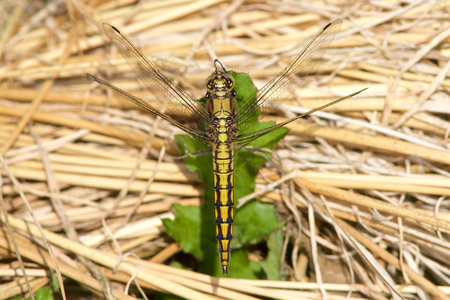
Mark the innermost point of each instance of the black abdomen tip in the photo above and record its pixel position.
(225, 269)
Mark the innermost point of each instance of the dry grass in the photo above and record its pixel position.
(376, 167)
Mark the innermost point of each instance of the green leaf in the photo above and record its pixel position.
(244, 88)
(195, 162)
(186, 228)
(207, 242)
(271, 139)
(178, 265)
(54, 282)
(254, 221)
(271, 264)
(44, 293)
(242, 267)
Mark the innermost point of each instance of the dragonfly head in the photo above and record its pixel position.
(220, 80)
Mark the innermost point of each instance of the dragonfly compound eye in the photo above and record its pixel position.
(209, 82)
(230, 82)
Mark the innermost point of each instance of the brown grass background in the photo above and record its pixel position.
(363, 187)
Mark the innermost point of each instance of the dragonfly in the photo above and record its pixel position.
(219, 123)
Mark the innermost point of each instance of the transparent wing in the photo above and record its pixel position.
(172, 96)
(245, 138)
(199, 134)
(283, 85)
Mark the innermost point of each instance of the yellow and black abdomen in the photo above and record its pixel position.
(223, 169)
(222, 132)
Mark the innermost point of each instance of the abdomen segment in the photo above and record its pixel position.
(223, 201)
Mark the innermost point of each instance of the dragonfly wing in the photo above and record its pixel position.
(245, 138)
(282, 86)
(199, 134)
(172, 96)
